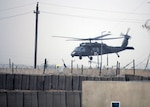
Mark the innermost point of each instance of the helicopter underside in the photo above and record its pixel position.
(80, 56)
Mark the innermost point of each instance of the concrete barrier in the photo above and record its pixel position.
(11, 99)
(90, 78)
(77, 99)
(63, 99)
(25, 82)
(42, 102)
(56, 99)
(14, 99)
(40, 83)
(70, 99)
(129, 77)
(17, 81)
(47, 82)
(48, 90)
(32, 82)
(55, 82)
(40, 99)
(49, 99)
(19, 99)
(97, 79)
(30, 99)
(9, 81)
(68, 83)
(75, 83)
(61, 83)
(2, 81)
(3, 99)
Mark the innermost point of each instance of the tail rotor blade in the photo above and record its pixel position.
(128, 31)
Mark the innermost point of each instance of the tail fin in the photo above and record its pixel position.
(125, 41)
(126, 38)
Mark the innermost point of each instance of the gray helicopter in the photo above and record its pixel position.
(90, 48)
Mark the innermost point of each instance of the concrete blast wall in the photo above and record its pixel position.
(129, 94)
(40, 99)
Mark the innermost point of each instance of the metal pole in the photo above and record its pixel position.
(133, 67)
(97, 60)
(101, 53)
(45, 65)
(116, 68)
(36, 35)
(71, 66)
(101, 56)
(9, 63)
(107, 61)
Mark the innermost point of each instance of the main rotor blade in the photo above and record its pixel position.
(74, 39)
(110, 38)
(82, 39)
(66, 37)
(88, 39)
(102, 36)
(96, 39)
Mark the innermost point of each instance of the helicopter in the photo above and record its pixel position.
(90, 48)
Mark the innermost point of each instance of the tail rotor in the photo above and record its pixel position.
(126, 35)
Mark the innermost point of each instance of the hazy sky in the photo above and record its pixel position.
(75, 18)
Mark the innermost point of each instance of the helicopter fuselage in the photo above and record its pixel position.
(91, 49)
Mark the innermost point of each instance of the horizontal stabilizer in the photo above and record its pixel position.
(129, 48)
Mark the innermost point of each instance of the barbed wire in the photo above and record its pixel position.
(11, 16)
(21, 6)
(96, 18)
(97, 10)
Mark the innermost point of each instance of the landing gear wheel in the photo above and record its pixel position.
(80, 57)
(91, 58)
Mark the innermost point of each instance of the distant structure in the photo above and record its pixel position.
(147, 25)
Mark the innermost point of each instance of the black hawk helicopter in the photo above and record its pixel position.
(90, 48)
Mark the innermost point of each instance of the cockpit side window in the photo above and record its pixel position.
(82, 49)
(76, 49)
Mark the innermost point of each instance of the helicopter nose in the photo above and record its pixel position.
(74, 54)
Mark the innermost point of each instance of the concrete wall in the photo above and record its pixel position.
(40, 99)
(55, 82)
(101, 93)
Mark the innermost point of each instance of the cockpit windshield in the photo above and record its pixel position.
(81, 49)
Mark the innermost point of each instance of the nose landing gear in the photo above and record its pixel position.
(90, 57)
(80, 57)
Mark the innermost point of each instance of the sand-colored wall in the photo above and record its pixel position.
(130, 94)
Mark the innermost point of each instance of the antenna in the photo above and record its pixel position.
(64, 63)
